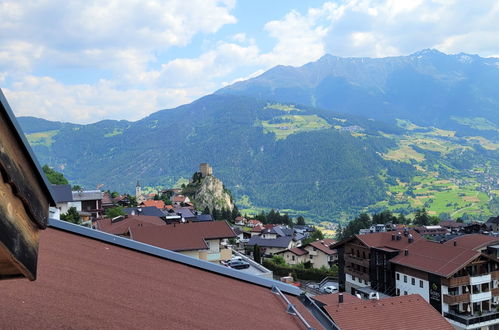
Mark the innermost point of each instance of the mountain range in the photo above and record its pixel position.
(326, 140)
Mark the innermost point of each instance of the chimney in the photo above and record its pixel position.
(393, 237)
(406, 252)
(410, 238)
(340, 298)
(455, 243)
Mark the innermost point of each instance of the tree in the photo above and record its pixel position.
(384, 217)
(257, 253)
(76, 187)
(71, 216)
(314, 236)
(300, 221)
(53, 176)
(114, 212)
(206, 210)
(421, 218)
(278, 260)
(363, 221)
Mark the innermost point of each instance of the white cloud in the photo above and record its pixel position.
(104, 32)
(47, 98)
(124, 40)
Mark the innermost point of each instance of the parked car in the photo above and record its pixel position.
(330, 289)
(237, 258)
(238, 264)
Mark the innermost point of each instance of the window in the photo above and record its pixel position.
(398, 292)
(363, 254)
(353, 278)
(413, 281)
(405, 278)
(315, 249)
(293, 257)
(311, 257)
(398, 277)
(420, 283)
(405, 293)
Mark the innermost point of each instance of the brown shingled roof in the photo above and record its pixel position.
(84, 283)
(473, 241)
(183, 236)
(323, 245)
(385, 239)
(297, 250)
(410, 312)
(121, 227)
(436, 258)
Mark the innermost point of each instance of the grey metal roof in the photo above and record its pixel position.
(87, 195)
(27, 148)
(61, 193)
(270, 242)
(203, 217)
(147, 210)
(173, 256)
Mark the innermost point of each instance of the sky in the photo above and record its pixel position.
(85, 61)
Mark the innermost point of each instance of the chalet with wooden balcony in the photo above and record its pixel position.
(24, 200)
(364, 260)
(460, 278)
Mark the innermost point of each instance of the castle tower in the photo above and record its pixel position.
(205, 169)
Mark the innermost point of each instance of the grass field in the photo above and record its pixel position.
(42, 138)
(284, 126)
(282, 107)
(476, 123)
(114, 133)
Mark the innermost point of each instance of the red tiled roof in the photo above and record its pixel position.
(410, 312)
(83, 283)
(158, 204)
(323, 245)
(473, 241)
(435, 258)
(183, 236)
(255, 222)
(257, 229)
(121, 227)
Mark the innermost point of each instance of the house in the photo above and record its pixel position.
(63, 197)
(460, 278)
(318, 253)
(157, 204)
(147, 210)
(24, 201)
(240, 221)
(363, 260)
(254, 223)
(180, 199)
(257, 230)
(121, 225)
(409, 312)
(89, 202)
(271, 246)
(200, 240)
(431, 230)
(125, 284)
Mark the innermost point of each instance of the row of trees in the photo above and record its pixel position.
(364, 221)
(275, 217)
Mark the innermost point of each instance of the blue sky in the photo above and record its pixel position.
(84, 61)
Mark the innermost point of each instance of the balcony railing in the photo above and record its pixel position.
(356, 273)
(356, 260)
(451, 300)
(456, 281)
(472, 319)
